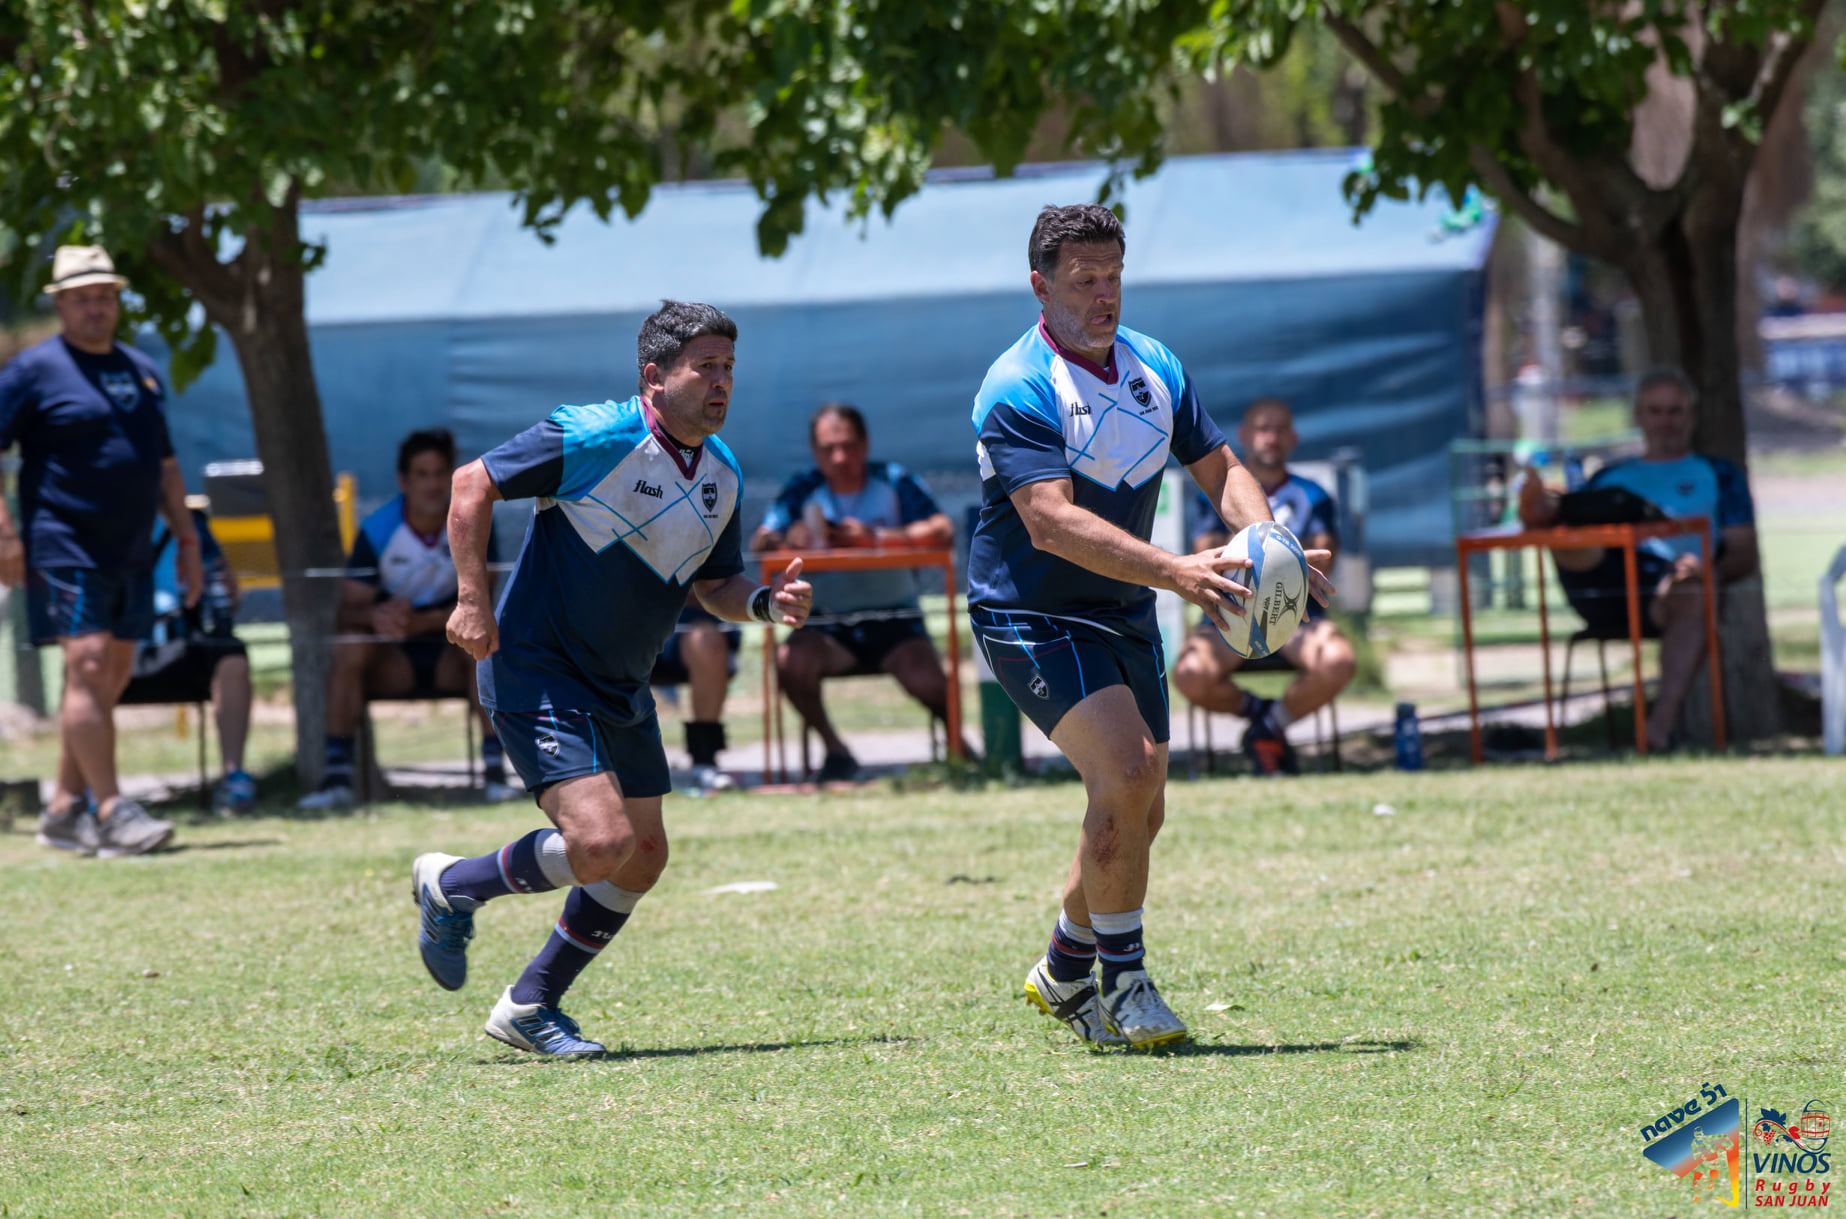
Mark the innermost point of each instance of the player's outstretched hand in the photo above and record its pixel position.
(472, 629)
(1318, 584)
(793, 597)
(1201, 579)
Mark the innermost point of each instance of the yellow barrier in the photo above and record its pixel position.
(249, 542)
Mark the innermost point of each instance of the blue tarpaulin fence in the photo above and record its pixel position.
(443, 310)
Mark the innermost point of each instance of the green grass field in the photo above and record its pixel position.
(1470, 1007)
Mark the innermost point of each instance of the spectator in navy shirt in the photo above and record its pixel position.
(96, 465)
(871, 619)
(1320, 655)
(1679, 482)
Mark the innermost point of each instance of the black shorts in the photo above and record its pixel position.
(1600, 594)
(870, 640)
(1048, 665)
(178, 672)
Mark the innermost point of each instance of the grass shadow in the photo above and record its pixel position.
(1197, 1049)
(183, 847)
(623, 1054)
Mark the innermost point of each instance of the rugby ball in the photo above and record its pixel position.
(1278, 582)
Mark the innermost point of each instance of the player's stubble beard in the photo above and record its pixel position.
(686, 416)
(1067, 326)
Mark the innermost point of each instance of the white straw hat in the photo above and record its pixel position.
(79, 266)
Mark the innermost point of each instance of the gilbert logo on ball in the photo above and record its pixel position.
(1278, 582)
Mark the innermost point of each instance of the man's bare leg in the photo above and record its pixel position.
(231, 696)
(803, 662)
(86, 717)
(1679, 611)
(1324, 665)
(1204, 673)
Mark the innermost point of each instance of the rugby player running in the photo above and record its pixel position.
(636, 500)
(1075, 423)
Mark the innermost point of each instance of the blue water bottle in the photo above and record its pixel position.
(1573, 473)
(1409, 738)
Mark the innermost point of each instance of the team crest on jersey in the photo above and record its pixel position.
(1142, 395)
(1037, 686)
(121, 388)
(708, 495)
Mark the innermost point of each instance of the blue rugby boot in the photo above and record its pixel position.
(444, 930)
(539, 1030)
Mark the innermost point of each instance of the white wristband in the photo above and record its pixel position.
(759, 605)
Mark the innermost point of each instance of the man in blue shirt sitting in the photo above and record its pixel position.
(1321, 657)
(96, 464)
(1669, 475)
(871, 622)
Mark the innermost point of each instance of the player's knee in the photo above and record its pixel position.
(599, 853)
(1132, 781)
(648, 860)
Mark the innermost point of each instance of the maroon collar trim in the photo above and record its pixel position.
(674, 449)
(1105, 371)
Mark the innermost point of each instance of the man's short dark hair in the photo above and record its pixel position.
(427, 440)
(844, 410)
(1080, 223)
(1666, 374)
(669, 330)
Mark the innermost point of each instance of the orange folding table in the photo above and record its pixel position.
(854, 559)
(1581, 537)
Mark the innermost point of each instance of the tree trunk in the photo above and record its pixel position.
(1687, 284)
(270, 334)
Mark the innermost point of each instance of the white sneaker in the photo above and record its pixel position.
(326, 798)
(538, 1030)
(500, 793)
(1072, 1002)
(1135, 1010)
(711, 779)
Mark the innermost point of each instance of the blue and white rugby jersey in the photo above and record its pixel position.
(400, 562)
(892, 497)
(626, 519)
(1042, 414)
(1693, 485)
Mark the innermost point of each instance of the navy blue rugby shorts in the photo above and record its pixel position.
(1047, 665)
(548, 747)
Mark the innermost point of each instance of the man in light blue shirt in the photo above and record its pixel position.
(1681, 483)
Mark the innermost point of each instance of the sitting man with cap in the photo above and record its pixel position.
(870, 620)
(96, 465)
(1321, 657)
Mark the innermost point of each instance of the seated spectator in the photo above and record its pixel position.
(702, 656)
(1321, 656)
(872, 621)
(193, 647)
(1679, 482)
(400, 589)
